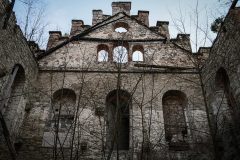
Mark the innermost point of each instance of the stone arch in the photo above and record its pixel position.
(137, 53)
(121, 27)
(102, 53)
(174, 102)
(118, 121)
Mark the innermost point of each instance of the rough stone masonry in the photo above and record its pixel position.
(119, 89)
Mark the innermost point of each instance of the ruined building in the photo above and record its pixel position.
(119, 89)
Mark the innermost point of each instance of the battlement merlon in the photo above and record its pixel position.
(121, 7)
(97, 16)
(77, 26)
(54, 37)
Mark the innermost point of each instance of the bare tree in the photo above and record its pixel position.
(32, 21)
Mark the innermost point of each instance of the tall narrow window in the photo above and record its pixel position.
(224, 113)
(225, 101)
(103, 53)
(174, 103)
(118, 102)
(15, 98)
(120, 54)
(137, 55)
(102, 56)
(58, 128)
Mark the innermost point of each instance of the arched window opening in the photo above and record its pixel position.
(137, 55)
(222, 80)
(60, 119)
(118, 102)
(102, 56)
(14, 99)
(223, 106)
(120, 54)
(17, 89)
(224, 101)
(121, 27)
(176, 132)
(121, 30)
(103, 53)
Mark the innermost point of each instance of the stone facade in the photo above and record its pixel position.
(119, 89)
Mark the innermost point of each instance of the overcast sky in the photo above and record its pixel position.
(59, 13)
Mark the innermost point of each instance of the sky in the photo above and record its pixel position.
(59, 13)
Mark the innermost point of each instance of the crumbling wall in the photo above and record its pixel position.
(221, 80)
(167, 66)
(14, 51)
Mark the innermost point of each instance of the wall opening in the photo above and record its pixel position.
(118, 102)
(137, 55)
(224, 101)
(174, 102)
(120, 54)
(224, 113)
(121, 27)
(103, 53)
(15, 101)
(58, 128)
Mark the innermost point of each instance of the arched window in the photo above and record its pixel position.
(174, 102)
(103, 53)
(118, 102)
(224, 100)
(58, 128)
(102, 56)
(137, 55)
(15, 99)
(224, 111)
(121, 27)
(120, 54)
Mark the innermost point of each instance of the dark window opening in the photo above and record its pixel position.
(225, 116)
(118, 102)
